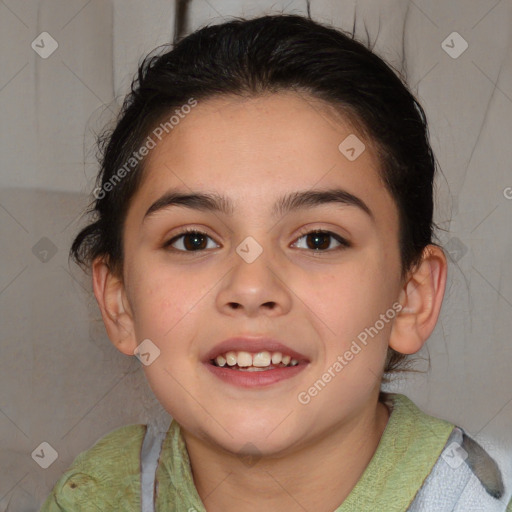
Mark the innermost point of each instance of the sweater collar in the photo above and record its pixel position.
(407, 451)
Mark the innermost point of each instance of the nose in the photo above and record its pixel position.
(255, 288)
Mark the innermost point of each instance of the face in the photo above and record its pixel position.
(257, 271)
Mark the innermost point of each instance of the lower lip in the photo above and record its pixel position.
(254, 379)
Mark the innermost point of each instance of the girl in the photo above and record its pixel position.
(262, 242)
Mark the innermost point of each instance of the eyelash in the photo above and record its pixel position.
(344, 244)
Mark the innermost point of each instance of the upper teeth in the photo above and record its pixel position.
(260, 359)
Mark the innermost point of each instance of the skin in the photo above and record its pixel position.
(254, 151)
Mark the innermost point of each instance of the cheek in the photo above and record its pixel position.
(162, 300)
(350, 303)
(349, 299)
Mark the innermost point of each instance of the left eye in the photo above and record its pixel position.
(319, 240)
(192, 241)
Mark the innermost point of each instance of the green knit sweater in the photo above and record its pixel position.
(107, 476)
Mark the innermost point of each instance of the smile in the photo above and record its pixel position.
(256, 371)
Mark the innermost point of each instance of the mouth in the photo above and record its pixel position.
(254, 362)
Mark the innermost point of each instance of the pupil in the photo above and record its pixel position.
(195, 237)
(316, 237)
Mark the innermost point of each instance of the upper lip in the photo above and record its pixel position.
(252, 344)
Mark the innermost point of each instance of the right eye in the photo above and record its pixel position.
(189, 240)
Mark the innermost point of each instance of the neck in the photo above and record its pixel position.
(335, 461)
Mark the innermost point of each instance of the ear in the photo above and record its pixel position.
(110, 294)
(421, 298)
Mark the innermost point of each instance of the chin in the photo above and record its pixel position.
(256, 448)
(254, 435)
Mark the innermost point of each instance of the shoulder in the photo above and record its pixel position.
(462, 474)
(483, 466)
(104, 477)
(466, 477)
(116, 447)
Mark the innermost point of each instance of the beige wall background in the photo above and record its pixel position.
(61, 381)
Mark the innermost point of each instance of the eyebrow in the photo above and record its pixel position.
(214, 202)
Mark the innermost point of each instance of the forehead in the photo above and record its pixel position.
(259, 149)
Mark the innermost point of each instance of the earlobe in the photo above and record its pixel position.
(111, 297)
(421, 298)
